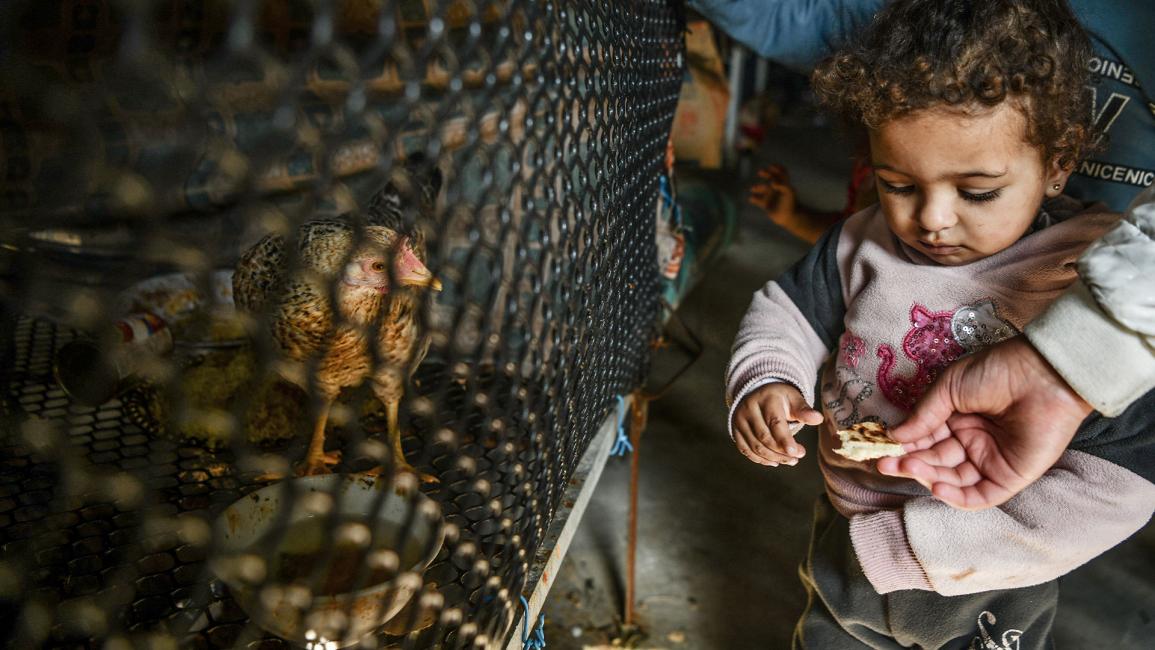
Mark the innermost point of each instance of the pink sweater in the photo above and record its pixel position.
(877, 321)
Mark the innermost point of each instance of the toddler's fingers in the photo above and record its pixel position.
(784, 440)
(801, 411)
(768, 452)
(741, 429)
(740, 441)
(746, 437)
(757, 420)
(807, 415)
(750, 442)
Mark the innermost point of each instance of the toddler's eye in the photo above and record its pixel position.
(901, 190)
(982, 197)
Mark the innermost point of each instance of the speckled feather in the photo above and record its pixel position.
(301, 318)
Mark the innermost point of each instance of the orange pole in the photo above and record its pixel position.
(639, 409)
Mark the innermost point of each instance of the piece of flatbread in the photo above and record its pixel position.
(867, 441)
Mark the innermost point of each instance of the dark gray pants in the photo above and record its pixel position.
(844, 611)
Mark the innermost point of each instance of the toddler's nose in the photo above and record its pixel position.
(936, 214)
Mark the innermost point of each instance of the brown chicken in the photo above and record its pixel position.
(378, 278)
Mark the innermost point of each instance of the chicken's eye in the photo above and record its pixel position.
(378, 266)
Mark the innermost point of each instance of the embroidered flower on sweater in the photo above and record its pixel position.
(936, 339)
(930, 345)
(851, 349)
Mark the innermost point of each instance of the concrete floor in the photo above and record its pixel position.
(720, 538)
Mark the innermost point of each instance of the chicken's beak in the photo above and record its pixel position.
(409, 271)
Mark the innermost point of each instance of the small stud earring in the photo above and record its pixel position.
(1056, 187)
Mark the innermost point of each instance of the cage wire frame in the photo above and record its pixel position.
(512, 147)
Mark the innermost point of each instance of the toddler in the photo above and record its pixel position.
(976, 114)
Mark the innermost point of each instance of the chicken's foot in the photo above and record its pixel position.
(399, 462)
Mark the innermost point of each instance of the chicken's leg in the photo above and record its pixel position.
(316, 460)
(391, 407)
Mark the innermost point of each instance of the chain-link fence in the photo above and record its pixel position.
(311, 308)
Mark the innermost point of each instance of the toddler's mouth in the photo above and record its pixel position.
(939, 249)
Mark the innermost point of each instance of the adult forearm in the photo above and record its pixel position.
(1100, 335)
(795, 33)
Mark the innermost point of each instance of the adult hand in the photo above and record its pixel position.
(991, 425)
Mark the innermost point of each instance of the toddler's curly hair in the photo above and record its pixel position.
(920, 54)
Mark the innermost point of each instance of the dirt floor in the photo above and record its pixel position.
(720, 537)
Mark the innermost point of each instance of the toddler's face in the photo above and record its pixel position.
(959, 187)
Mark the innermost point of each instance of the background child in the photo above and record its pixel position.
(976, 115)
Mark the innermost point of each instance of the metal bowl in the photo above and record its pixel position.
(259, 536)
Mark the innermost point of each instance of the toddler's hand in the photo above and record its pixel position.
(762, 424)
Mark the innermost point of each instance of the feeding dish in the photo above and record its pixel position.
(325, 561)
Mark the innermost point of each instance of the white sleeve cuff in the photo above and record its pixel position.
(1107, 364)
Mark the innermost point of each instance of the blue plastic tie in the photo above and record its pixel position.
(622, 444)
(532, 640)
(667, 197)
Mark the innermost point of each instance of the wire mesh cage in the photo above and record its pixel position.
(311, 308)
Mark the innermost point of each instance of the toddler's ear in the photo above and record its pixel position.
(1056, 178)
